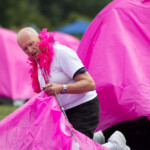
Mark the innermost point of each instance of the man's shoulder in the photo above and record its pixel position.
(58, 46)
(62, 49)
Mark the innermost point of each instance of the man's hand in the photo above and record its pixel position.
(50, 87)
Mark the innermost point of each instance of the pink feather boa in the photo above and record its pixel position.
(44, 59)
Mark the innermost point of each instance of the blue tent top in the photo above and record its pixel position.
(78, 27)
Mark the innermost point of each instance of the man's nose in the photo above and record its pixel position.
(30, 49)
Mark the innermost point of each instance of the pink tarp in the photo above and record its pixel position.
(116, 51)
(40, 125)
(15, 80)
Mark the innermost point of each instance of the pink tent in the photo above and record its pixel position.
(15, 80)
(14, 77)
(116, 51)
(40, 125)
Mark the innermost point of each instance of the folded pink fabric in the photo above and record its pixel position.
(116, 51)
(40, 125)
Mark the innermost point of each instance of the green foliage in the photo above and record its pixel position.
(73, 16)
(47, 13)
(12, 12)
(62, 11)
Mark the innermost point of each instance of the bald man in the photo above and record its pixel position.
(71, 77)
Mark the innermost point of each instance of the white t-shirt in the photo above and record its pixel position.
(64, 65)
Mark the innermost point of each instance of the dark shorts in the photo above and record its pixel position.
(85, 117)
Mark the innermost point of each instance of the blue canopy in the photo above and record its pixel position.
(78, 27)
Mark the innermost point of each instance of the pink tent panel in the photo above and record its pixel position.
(116, 51)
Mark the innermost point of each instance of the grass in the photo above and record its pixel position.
(5, 110)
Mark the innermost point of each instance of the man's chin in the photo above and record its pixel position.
(36, 58)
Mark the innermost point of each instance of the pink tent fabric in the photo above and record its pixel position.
(40, 125)
(15, 82)
(116, 51)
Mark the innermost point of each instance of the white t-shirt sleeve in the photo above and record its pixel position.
(69, 61)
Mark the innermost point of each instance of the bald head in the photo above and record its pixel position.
(28, 31)
(27, 39)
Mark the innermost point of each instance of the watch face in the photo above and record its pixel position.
(64, 89)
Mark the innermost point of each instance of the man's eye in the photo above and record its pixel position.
(25, 49)
(31, 44)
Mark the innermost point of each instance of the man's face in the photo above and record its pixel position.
(29, 45)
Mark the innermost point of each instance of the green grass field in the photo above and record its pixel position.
(5, 110)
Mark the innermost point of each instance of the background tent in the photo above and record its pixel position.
(67, 39)
(78, 27)
(116, 51)
(15, 80)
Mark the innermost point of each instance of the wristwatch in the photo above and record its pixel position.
(64, 89)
